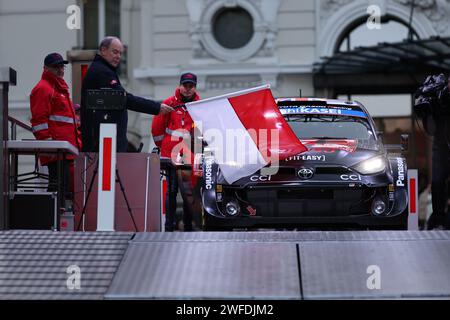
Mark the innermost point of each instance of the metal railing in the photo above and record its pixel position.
(14, 123)
(25, 178)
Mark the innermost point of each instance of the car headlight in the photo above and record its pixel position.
(371, 166)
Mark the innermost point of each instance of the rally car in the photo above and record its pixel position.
(347, 178)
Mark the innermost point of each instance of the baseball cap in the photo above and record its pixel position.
(54, 59)
(188, 78)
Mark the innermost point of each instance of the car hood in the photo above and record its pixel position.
(321, 153)
(331, 152)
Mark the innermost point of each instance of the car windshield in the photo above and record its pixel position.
(332, 127)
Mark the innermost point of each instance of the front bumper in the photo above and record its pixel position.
(294, 205)
(331, 223)
(328, 198)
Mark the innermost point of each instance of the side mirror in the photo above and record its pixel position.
(402, 147)
(404, 141)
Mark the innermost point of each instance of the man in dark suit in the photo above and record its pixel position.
(102, 74)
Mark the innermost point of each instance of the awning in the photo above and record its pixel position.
(384, 68)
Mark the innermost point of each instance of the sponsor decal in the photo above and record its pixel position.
(401, 173)
(330, 146)
(391, 188)
(260, 178)
(351, 177)
(391, 196)
(307, 158)
(219, 197)
(323, 111)
(208, 173)
(219, 188)
(113, 82)
(324, 150)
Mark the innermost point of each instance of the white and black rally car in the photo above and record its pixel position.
(346, 178)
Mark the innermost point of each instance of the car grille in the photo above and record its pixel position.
(332, 170)
(292, 171)
(311, 202)
(304, 194)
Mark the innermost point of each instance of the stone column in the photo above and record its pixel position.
(146, 33)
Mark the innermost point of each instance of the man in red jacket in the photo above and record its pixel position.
(53, 117)
(168, 131)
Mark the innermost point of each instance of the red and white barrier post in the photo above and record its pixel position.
(106, 177)
(163, 202)
(413, 194)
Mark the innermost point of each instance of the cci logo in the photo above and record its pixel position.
(351, 177)
(305, 173)
(260, 178)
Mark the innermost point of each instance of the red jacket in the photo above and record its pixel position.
(168, 130)
(52, 113)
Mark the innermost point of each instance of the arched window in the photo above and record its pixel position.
(359, 34)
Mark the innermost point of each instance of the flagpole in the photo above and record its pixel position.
(229, 95)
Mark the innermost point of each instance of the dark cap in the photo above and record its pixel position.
(54, 59)
(188, 78)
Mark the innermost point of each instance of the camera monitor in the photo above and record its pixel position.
(106, 100)
(101, 106)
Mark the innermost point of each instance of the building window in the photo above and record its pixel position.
(100, 18)
(391, 31)
(232, 30)
(90, 24)
(232, 27)
(112, 18)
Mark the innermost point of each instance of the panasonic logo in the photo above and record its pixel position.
(401, 173)
(260, 178)
(208, 173)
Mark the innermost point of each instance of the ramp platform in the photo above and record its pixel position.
(235, 265)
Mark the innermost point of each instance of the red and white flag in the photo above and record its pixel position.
(245, 131)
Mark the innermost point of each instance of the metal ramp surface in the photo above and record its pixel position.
(236, 265)
(284, 265)
(33, 264)
(201, 270)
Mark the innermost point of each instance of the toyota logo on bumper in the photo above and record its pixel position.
(305, 173)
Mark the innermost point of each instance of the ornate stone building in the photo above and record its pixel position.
(229, 44)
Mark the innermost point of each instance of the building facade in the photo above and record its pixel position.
(229, 44)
